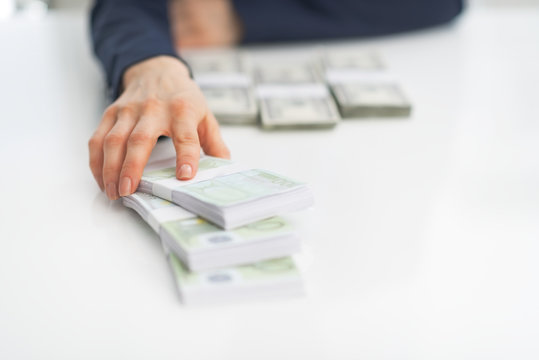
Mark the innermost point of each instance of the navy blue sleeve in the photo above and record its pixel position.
(287, 20)
(125, 32)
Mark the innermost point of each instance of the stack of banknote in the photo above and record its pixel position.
(269, 279)
(362, 86)
(225, 233)
(296, 93)
(226, 193)
(227, 87)
(293, 95)
(212, 265)
(200, 245)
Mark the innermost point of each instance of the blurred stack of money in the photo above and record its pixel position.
(293, 95)
(297, 93)
(222, 231)
(227, 87)
(362, 86)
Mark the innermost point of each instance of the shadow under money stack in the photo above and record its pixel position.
(240, 258)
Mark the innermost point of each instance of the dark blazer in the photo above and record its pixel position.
(125, 32)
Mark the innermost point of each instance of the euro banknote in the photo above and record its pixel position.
(202, 246)
(226, 193)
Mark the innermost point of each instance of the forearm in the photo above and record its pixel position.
(125, 32)
(287, 20)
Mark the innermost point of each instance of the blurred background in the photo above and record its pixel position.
(39, 8)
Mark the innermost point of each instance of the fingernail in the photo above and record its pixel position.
(125, 186)
(185, 171)
(111, 191)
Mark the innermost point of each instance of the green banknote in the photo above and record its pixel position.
(154, 202)
(273, 269)
(239, 187)
(205, 163)
(197, 233)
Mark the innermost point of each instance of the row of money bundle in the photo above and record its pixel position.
(287, 92)
(226, 241)
(363, 87)
(225, 84)
(293, 95)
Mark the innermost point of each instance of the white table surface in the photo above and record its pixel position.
(423, 243)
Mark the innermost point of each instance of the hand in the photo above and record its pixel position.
(203, 23)
(159, 98)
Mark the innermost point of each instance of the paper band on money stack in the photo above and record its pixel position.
(202, 246)
(272, 278)
(226, 193)
(226, 85)
(362, 86)
(293, 95)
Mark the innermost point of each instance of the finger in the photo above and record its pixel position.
(186, 142)
(114, 150)
(139, 148)
(95, 144)
(210, 138)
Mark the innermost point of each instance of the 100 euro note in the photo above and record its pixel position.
(263, 279)
(239, 187)
(226, 193)
(201, 245)
(268, 279)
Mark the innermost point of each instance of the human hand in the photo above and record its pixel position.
(159, 99)
(204, 23)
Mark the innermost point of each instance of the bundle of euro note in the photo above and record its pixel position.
(362, 86)
(275, 278)
(203, 246)
(293, 95)
(225, 83)
(225, 193)
(209, 265)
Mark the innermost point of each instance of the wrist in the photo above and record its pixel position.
(160, 63)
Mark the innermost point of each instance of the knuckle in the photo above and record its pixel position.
(114, 140)
(128, 110)
(132, 166)
(94, 142)
(179, 104)
(110, 172)
(181, 107)
(185, 138)
(110, 111)
(139, 138)
(151, 104)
